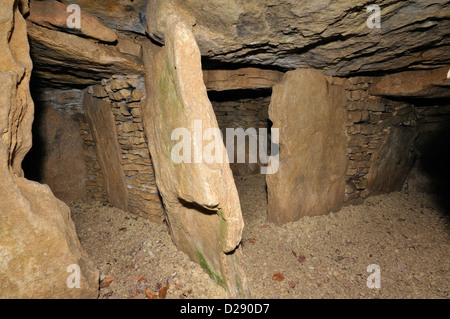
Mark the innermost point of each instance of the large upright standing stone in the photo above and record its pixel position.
(201, 200)
(310, 115)
(40, 254)
(101, 122)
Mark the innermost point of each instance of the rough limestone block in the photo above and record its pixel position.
(311, 118)
(239, 79)
(38, 241)
(81, 61)
(200, 199)
(418, 84)
(54, 15)
(392, 161)
(103, 128)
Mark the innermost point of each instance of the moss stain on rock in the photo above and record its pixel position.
(168, 98)
(209, 270)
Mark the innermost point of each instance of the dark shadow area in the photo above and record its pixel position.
(423, 102)
(433, 149)
(210, 64)
(198, 207)
(33, 163)
(235, 95)
(434, 160)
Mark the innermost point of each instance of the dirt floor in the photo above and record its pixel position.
(406, 234)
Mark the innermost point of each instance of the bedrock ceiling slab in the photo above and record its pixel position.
(64, 60)
(241, 79)
(128, 15)
(53, 14)
(329, 35)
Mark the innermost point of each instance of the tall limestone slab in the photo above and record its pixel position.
(200, 199)
(310, 115)
(38, 243)
(101, 122)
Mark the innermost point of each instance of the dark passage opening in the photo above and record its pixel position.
(431, 171)
(56, 157)
(246, 110)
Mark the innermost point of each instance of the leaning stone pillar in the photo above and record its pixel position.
(200, 199)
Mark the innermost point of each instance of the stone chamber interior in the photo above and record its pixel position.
(362, 162)
(65, 155)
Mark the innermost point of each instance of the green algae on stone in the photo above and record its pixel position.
(209, 270)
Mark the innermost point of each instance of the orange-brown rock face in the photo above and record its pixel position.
(414, 84)
(38, 243)
(53, 14)
(310, 115)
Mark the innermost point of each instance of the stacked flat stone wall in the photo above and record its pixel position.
(243, 113)
(369, 121)
(126, 95)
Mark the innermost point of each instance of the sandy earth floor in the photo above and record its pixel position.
(406, 234)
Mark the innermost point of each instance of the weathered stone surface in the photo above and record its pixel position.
(311, 118)
(392, 162)
(116, 14)
(240, 79)
(38, 243)
(101, 122)
(58, 159)
(431, 171)
(416, 84)
(37, 237)
(68, 61)
(200, 199)
(325, 35)
(67, 102)
(53, 14)
(17, 106)
(143, 197)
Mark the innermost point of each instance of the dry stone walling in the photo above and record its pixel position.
(124, 163)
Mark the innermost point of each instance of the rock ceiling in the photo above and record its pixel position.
(285, 34)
